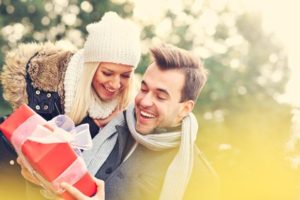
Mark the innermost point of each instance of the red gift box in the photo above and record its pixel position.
(56, 157)
(43, 157)
(49, 160)
(17, 118)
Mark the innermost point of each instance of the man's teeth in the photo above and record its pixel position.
(148, 115)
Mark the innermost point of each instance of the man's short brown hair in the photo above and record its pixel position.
(168, 57)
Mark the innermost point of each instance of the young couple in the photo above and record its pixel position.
(141, 150)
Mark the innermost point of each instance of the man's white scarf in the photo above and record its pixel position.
(179, 171)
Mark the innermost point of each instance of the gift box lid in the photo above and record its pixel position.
(18, 117)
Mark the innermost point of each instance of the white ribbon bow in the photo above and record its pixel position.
(64, 130)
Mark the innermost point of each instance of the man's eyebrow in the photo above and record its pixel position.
(158, 89)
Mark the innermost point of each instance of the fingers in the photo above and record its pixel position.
(19, 161)
(26, 174)
(73, 191)
(100, 195)
(99, 183)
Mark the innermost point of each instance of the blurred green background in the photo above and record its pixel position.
(244, 130)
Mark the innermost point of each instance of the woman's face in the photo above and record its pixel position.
(111, 79)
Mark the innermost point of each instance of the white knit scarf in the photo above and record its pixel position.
(179, 171)
(97, 108)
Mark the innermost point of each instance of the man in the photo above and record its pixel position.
(150, 152)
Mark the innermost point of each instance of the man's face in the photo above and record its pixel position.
(157, 103)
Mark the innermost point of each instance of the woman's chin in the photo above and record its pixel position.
(108, 98)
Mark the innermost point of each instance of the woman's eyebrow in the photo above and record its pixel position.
(107, 69)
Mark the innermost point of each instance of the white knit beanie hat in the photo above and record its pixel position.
(113, 39)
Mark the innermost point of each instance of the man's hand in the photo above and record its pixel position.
(100, 195)
(26, 174)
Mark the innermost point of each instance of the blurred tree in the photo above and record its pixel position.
(243, 60)
(242, 124)
(40, 21)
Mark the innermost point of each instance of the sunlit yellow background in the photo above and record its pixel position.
(249, 129)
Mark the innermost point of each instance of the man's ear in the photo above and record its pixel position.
(187, 107)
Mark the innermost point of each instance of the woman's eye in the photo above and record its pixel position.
(107, 73)
(125, 75)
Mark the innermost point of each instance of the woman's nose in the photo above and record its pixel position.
(115, 83)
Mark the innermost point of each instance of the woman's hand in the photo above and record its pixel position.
(100, 195)
(26, 174)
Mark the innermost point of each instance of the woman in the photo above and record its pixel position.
(52, 80)
(90, 86)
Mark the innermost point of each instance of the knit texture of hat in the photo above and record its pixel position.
(114, 40)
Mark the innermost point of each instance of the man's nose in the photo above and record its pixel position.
(147, 100)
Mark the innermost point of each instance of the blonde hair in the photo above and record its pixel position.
(83, 93)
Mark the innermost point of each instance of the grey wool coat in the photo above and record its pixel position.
(141, 175)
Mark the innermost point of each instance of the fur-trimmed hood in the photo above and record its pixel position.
(47, 67)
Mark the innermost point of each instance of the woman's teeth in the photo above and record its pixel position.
(110, 90)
